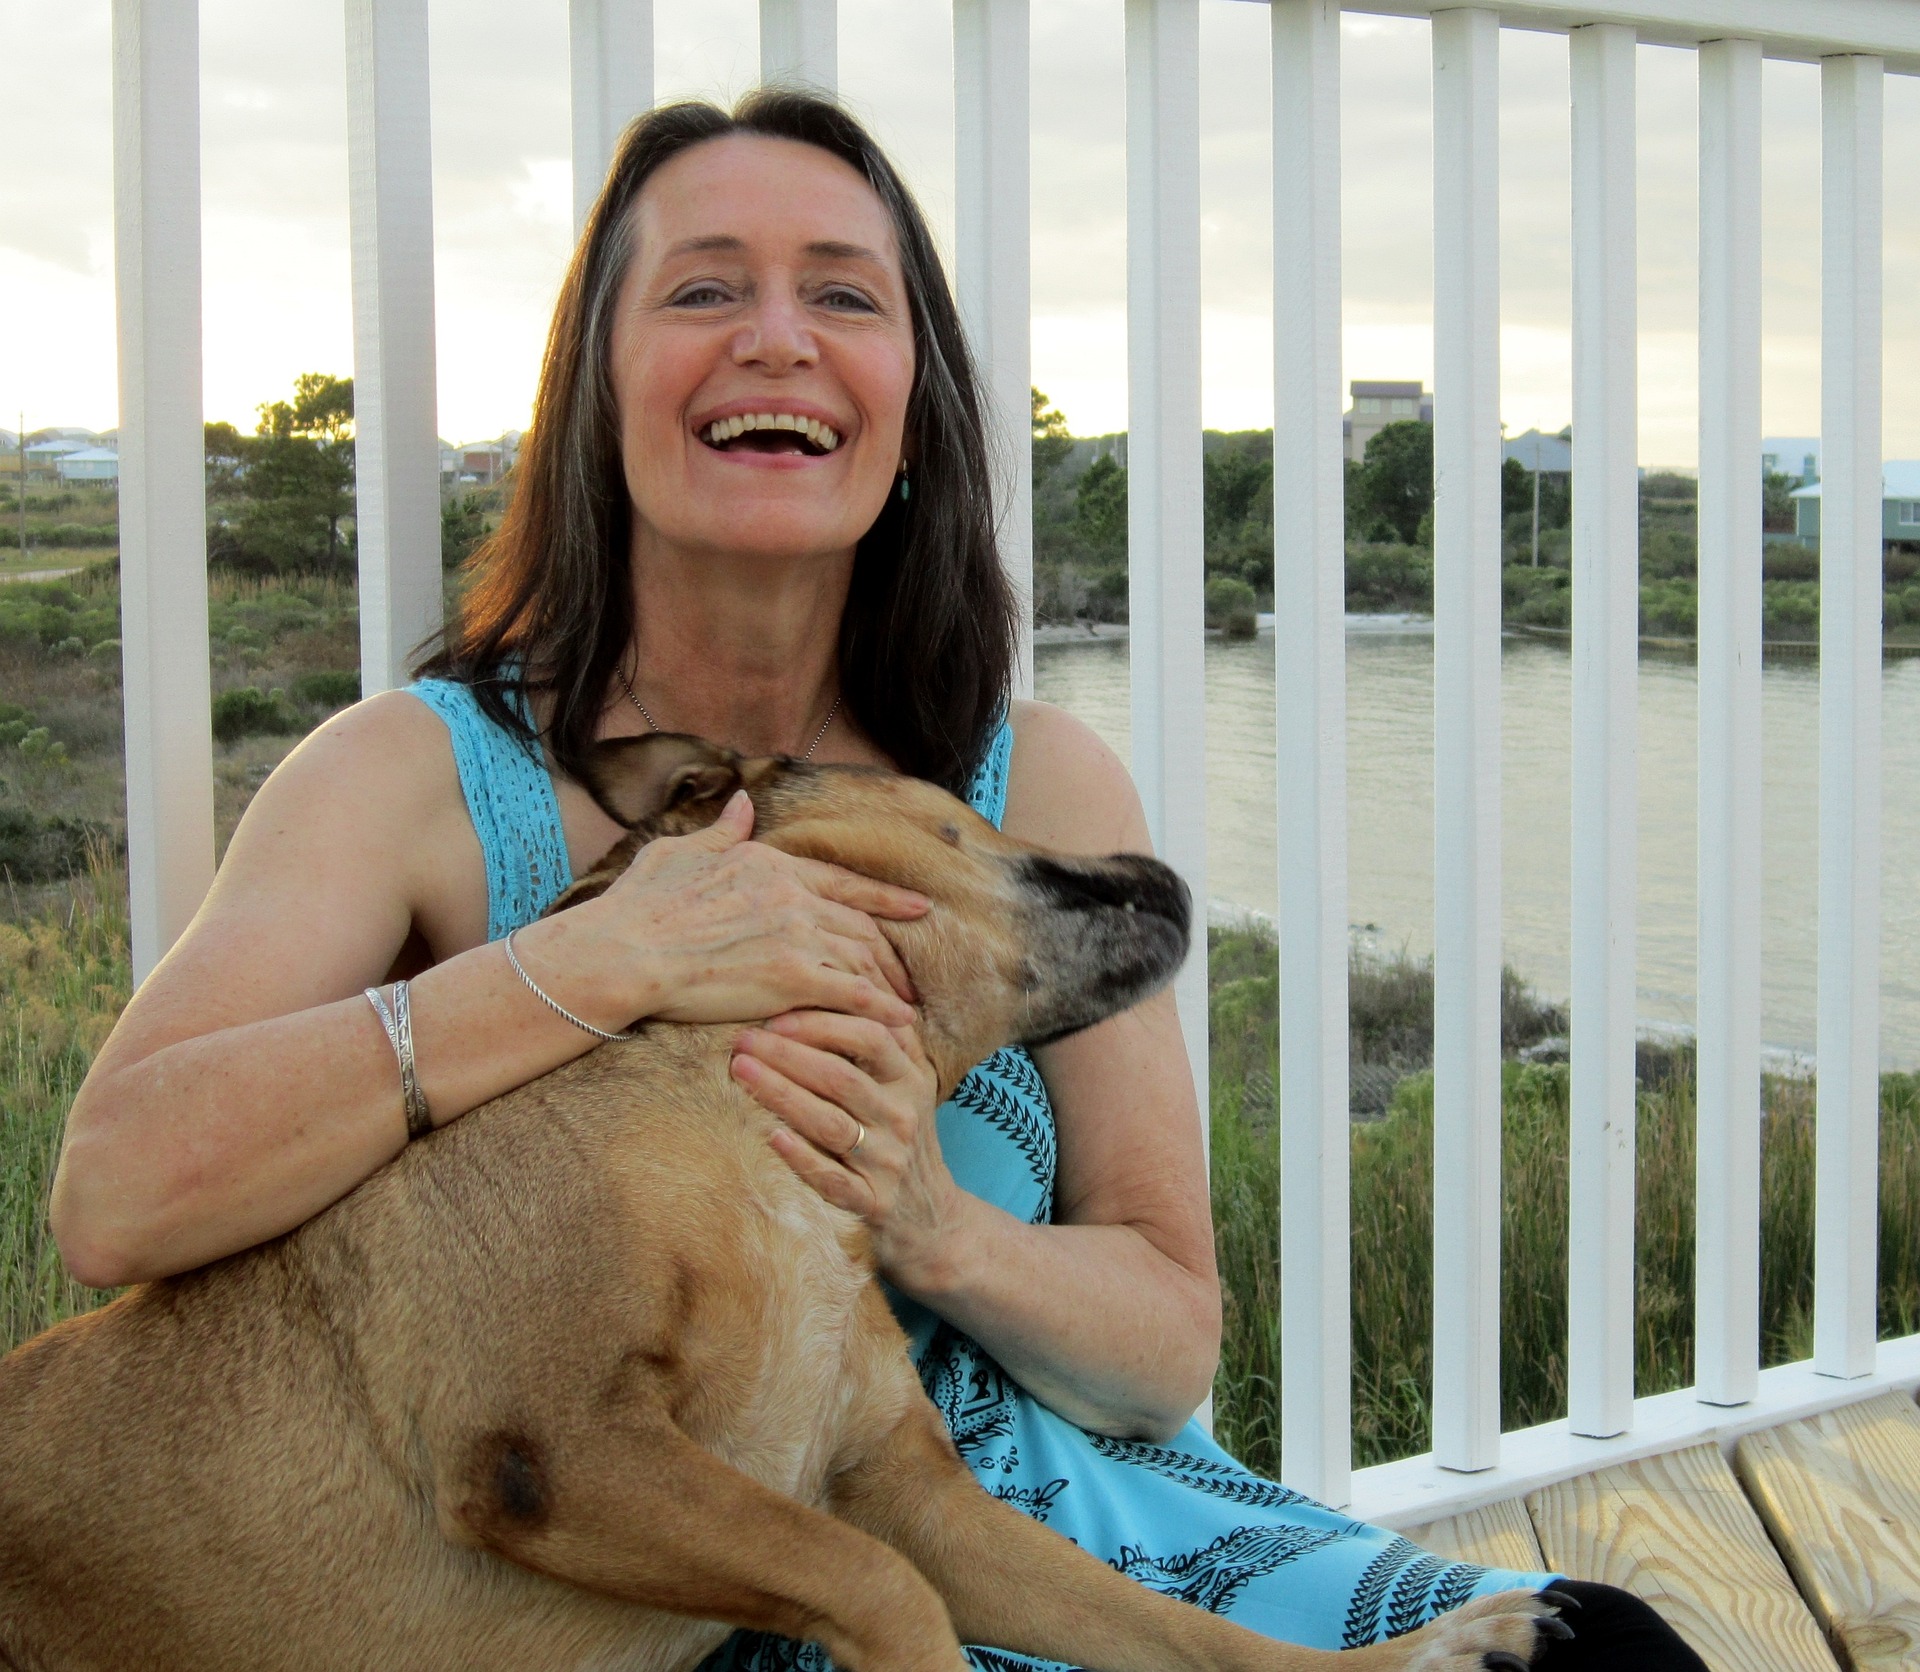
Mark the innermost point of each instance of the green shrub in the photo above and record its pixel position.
(248, 711)
(1669, 609)
(329, 688)
(1230, 605)
(1540, 597)
(37, 847)
(1389, 577)
(1790, 609)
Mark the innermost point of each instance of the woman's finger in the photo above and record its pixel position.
(834, 1183)
(839, 1084)
(833, 989)
(857, 925)
(874, 1047)
(876, 899)
(821, 1122)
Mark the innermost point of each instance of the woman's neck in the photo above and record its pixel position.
(745, 653)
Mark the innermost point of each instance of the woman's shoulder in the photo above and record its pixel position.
(1066, 789)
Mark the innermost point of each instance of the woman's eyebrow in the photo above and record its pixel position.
(724, 242)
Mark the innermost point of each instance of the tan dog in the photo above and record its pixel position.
(590, 1377)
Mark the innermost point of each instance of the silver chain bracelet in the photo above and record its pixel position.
(398, 1023)
(555, 1005)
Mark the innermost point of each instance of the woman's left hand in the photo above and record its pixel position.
(829, 1076)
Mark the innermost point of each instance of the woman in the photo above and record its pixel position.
(752, 507)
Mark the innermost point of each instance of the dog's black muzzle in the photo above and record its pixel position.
(1102, 935)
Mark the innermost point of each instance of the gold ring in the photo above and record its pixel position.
(854, 1147)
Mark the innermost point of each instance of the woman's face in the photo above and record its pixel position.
(763, 353)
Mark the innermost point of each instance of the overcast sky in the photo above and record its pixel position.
(274, 159)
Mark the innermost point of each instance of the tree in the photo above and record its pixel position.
(1391, 492)
(1051, 442)
(1100, 507)
(290, 484)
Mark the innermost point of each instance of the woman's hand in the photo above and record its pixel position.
(713, 927)
(837, 1081)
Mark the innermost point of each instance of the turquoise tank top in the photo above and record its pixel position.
(1183, 1517)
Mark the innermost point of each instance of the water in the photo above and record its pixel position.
(1390, 812)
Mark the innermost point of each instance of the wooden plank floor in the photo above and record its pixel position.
(1806, 1547)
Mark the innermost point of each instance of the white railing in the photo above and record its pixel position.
(1855, 41)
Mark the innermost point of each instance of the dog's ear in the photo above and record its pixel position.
(640, 780)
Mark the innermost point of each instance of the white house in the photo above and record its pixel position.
(1899, 504)
(89, 464)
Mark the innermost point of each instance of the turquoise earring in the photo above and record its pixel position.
(906, 490)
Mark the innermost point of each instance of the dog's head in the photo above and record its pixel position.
(1021, 946)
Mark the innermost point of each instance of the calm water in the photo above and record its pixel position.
(1390, 811)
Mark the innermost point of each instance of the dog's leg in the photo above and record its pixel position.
(650, 1517)
(1011, 1583)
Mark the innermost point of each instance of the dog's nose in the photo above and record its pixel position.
(1126, 882)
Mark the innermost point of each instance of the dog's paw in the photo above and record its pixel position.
(1499, 1633)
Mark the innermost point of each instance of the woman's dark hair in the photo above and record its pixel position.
(927, 639)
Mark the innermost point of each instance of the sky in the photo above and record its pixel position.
(275, 195)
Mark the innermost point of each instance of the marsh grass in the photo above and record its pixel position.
(1392, 1232)
(64, 977)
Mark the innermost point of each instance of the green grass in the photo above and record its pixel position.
(64, 976)
(1392, 1232)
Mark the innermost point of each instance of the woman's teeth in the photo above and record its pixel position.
(723, 430)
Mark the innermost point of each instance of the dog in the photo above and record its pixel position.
(589, 1378)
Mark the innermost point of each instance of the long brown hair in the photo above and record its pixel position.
(927, 638)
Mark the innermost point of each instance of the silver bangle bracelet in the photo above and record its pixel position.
(398, 1023)
(555, 1005)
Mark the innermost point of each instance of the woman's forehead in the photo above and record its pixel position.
(760, 195)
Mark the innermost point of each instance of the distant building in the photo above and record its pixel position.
(1797, 456)
(479, 462)
(1544, 455)
(1376, 405)
(89, 464)
(44, 454)
(1899, 505)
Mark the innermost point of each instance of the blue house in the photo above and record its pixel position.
(1899, 505)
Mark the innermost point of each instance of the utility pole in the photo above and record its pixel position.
(1536, 505)
(21, 485)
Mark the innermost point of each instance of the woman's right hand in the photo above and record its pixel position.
(715, 927)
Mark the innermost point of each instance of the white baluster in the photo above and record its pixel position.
(799, 43)
(610, 43)
(1606, 607)
(1164, 531)
(1727, 1247)
(397, 449)
(163, 502)
(1846, 1213)
(1309, 579)
(1466, 802)
(993, 263)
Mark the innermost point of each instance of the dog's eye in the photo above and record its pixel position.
(950, 834)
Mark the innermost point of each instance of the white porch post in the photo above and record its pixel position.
(163, 499)
(1164, 534)
(1466, 962)
(800, 43)
(1727, 1253)
(1606, 646)
(993, 263)
(397, 449)
(1846, 1211)
(610, 43)
(1309, 591)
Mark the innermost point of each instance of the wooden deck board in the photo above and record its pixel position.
(1500, 1535)
(1678, 1531)
(1841, 1495)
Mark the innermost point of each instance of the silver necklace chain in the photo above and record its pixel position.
(633, 698)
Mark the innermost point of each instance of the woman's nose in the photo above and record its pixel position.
(776, 335)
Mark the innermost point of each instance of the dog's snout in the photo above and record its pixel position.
(1126, 882)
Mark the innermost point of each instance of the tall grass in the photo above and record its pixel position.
(1392, 1235)
(64, 976)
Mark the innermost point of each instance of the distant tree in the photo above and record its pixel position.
(1777, 508)
(1100, 507)
(1516, 488)
(1391, 492)
(1051, 442)
(463, 525)
(290, 483)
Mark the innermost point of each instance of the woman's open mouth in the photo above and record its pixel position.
(771, 432)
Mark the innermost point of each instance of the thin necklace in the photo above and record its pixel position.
(655, 724)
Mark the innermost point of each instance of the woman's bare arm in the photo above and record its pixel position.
(249, 1083)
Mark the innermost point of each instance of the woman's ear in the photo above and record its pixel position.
(639, 781)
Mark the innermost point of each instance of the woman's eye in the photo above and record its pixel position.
(701, 296)
(842, 297)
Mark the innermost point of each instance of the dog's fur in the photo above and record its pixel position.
(589, 1377)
